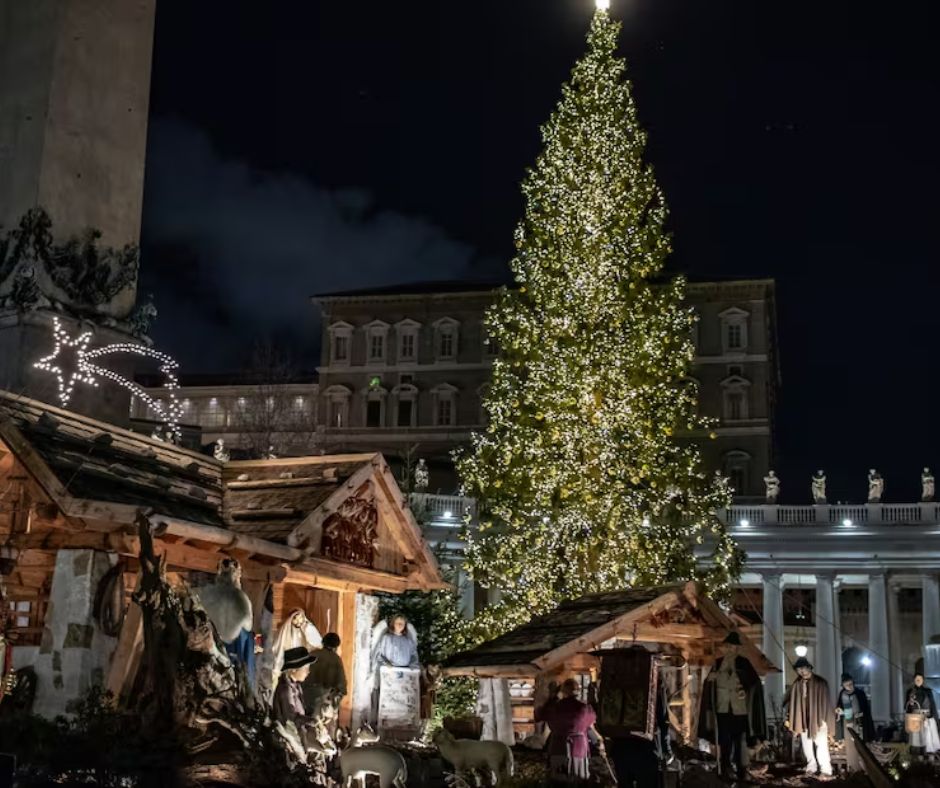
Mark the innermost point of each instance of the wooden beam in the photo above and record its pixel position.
(345, 577)
(524, 671)
(346, 629)
(126, 658)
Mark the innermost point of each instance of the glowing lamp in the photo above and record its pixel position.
(866, 660)
(801, 650)
(847, 522)
(745, 523)
(603, 5)
(448, 514)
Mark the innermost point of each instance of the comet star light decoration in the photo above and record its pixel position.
(72, 362)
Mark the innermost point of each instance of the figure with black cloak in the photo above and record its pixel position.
(810, 716)
(853, 712)
(920, 701)
(732, 711)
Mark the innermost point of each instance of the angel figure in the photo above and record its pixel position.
(297, 630)
(394, 644)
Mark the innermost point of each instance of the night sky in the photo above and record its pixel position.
(319, 146)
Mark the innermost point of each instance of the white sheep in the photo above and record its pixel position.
(465, 755)
(358, 761)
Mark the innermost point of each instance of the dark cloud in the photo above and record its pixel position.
(232, 254)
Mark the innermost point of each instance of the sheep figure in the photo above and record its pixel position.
(358, 761)
(489, 757)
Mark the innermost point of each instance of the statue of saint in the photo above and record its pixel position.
(772, 483)
(421, 476)
(220, 452)
(819, 487)
(927, 486)
(876, 486)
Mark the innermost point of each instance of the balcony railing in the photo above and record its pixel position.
(834, 514)
(443, 509)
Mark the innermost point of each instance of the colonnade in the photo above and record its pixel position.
(883, 645)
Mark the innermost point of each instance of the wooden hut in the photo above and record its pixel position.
(675, 621)
(319, 533)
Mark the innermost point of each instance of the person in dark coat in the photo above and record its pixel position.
(289, 695)
(853, 711)
(732, 703)
(920, 700)
(810, 716)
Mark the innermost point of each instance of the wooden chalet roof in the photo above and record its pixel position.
(269, 498)
(101, 478)
(91, 460)
(679, 614)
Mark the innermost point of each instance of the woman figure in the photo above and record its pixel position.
(570, 721)
(394, 644)
(296, 631)
(920, 700)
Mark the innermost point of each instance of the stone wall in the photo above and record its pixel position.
(367, 611)
(73, 654)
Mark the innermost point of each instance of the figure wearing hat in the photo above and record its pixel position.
(853, 711)
(810, 716)
(289, 695)
(732, 712)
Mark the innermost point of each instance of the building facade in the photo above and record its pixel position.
(253, 418)
(404, 371)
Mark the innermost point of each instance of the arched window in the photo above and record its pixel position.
(337, 406)
(407, 332)
(737, 467)
(735, 398)
(376, 342)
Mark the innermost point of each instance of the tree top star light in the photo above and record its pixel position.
(72, 362)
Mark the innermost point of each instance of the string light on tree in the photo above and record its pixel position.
(586, 477)
(72, 362)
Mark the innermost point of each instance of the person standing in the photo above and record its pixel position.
(570, 720)
(810, 716)
(853, 712)
(920, 701)
(327, 679)
(733, 702)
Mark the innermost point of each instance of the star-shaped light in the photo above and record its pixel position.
(72, 362)
(67, 361)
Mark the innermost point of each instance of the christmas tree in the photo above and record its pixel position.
(586, 472)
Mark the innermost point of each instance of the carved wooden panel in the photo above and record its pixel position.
(350, 534)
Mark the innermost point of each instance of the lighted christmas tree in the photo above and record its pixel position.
(587, 475)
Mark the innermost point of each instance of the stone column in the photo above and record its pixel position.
(879, 648)
(773, 641)
(931, 606)
(74, 653)
(360, 683)
(828, 659)
(894, 641)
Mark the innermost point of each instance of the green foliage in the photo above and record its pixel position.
(586, 474)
